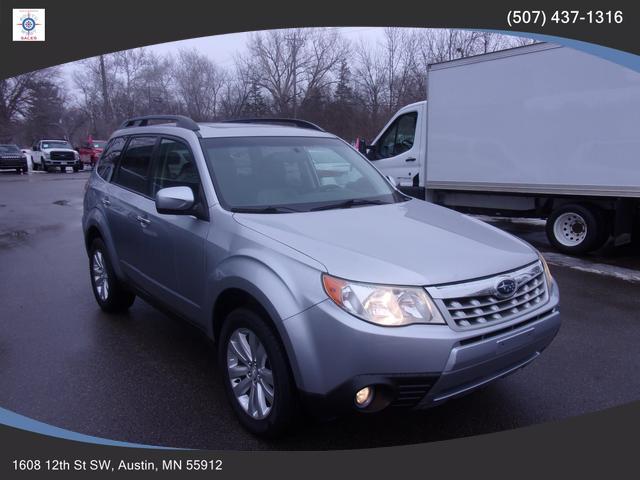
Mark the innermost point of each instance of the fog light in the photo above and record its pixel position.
(364, 397)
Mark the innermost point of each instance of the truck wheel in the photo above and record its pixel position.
(76, 169)
(111, 294)
(577, 229)
(256, 374)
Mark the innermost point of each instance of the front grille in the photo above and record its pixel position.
(62, 156)
(479, 303)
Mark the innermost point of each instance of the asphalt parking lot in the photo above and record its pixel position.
(143, 377)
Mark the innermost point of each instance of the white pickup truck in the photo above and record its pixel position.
(540, 131)
(48, 155)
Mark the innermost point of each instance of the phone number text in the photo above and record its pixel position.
(541, 17)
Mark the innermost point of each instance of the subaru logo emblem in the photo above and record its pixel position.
(506, 287)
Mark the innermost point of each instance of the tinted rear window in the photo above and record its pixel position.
(133, 172)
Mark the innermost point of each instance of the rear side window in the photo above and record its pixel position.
(133, 172)
(109, 158)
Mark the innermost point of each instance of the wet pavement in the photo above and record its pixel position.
(144, 377)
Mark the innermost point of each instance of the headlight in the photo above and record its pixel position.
(385, 305)
(47, 155)
(547, 272)
(77, 155)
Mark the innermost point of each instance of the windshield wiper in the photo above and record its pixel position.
(267, 209)
(353, 202)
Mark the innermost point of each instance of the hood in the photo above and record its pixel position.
(58, 149)
(409, 243)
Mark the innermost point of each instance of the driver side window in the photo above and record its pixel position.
(399, 137)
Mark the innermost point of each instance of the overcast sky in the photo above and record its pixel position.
(222, 48)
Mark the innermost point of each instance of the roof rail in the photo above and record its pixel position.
(180, 121)
(279, 121)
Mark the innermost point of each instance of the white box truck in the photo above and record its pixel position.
(541, 131)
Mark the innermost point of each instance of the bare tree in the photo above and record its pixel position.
(349, 88)
(369, 78)
(293, 65)
(198, 84)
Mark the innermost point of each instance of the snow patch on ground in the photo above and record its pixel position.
(621, 273)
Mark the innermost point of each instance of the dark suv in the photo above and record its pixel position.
(12, 158)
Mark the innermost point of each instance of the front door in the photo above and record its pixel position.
(396, 153)
(183, 280)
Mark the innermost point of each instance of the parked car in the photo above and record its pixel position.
(322, 293)
(12, 158)
(528, 132)
(50, 154)
(90, 151)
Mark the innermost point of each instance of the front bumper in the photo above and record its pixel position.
(61, 163)
(13, 163)
(335, 354)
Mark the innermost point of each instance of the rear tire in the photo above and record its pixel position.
(110, 293)
(263, 413)
(577, 229)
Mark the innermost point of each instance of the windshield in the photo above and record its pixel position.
(56, 144)
(99, 144)
(289, 174)
(9, 149)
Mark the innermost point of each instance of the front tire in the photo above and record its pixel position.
(110, 293)
(256, 374)
(576, 229)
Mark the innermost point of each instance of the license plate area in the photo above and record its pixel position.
(516, 340)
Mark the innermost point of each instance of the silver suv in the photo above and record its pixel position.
(323, 286)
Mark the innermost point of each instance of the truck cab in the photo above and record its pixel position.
(525, 132)
(90, 151)
(399, 150)
(48, 155)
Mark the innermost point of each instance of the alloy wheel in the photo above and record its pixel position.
(250, 373)
(100, 276)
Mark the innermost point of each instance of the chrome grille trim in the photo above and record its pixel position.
(477, 303)
(62, 155)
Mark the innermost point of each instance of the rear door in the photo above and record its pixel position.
(129, 199)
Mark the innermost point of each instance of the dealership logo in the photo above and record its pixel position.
(506, 288)
(28, 24)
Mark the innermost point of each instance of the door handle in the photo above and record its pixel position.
(143, 221)
(106, 202)
(410, 160)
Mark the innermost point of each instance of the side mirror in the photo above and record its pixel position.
(361, 145)
(175, 201)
